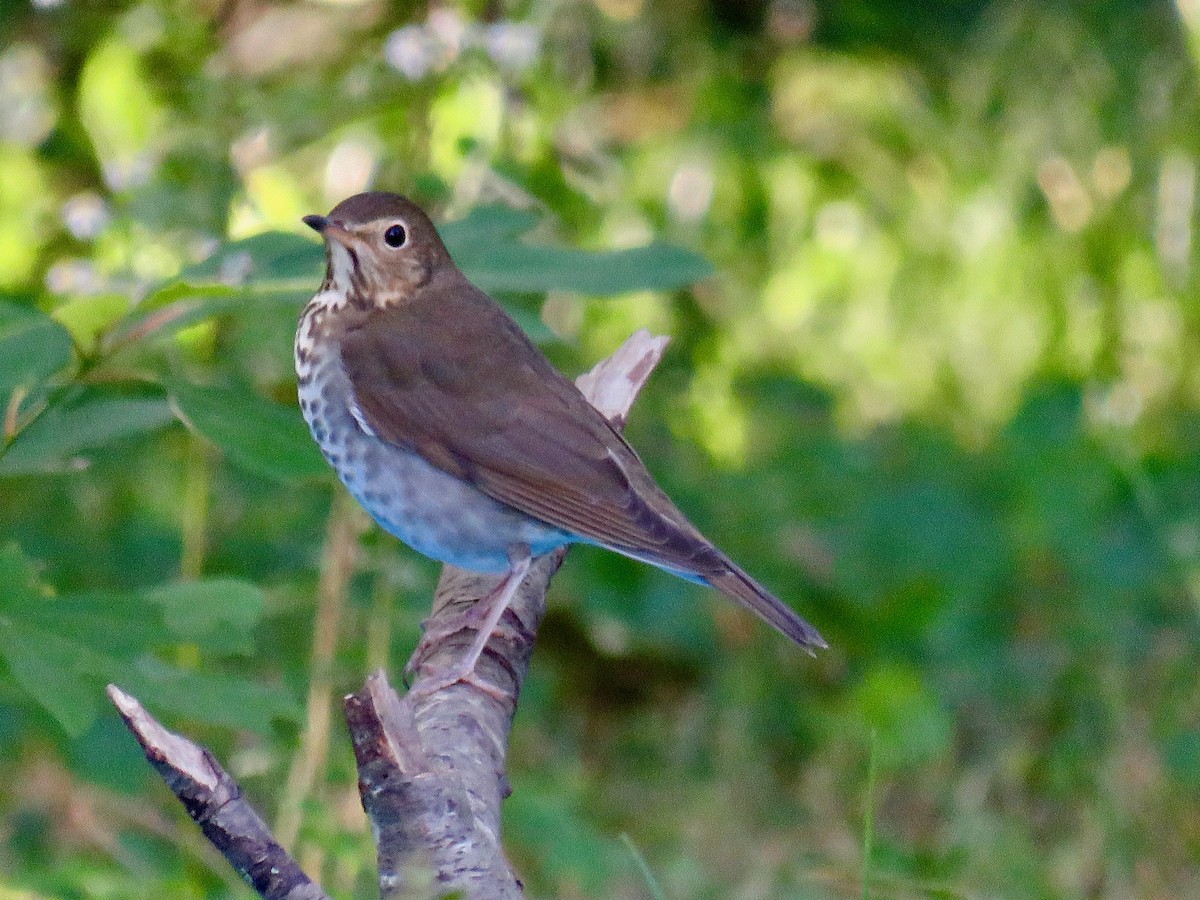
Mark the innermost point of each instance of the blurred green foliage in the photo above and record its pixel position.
(941, 394)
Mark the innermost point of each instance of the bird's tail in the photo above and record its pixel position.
(738, 586)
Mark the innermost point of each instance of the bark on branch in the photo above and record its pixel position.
(431, 768)
(214, 800)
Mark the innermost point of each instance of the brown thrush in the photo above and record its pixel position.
(460, 438)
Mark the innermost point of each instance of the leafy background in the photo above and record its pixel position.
(936, 384)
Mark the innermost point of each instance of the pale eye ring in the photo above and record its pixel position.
(395, 236)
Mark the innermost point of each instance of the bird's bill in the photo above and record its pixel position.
(328, 228)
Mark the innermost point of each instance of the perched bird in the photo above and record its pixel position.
(460, 438)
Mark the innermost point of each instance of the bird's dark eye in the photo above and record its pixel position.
(395, 236)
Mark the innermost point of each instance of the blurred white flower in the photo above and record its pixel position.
(450, 31)
(839, 225)
(351, 166)
(691, 191)
(251, 149)
(512, 45)
(417, 50)
(27, 111)
(85, 215)
(411, 51)
(73, 276)
(235, 268)
(134, 171)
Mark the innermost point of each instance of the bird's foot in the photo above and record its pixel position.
(483, 617)
(473, 618)
(459, 673)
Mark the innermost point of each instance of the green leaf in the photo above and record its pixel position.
(32, 348)
(486, 223)
(912, 727)
(63, 650)
(67, 677)
(217, 699)
(182, 304)
(43, 661)
(49, 667)
(270, 257)
(88, 318)
(537, 268)
(282, 267)
(264, 437)
(219, 613)
(163, 307)
(118, 624)
(18, 580)
(88, 420)
(1181, 753)
(275, 267)
(486, 247)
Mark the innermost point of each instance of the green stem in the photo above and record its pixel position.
(869, 816)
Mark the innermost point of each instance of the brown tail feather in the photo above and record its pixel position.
(738, 586)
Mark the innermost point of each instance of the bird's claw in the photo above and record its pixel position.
(457, 674)
(472, 618)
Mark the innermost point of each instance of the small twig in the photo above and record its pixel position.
(197, 488)
(869, 815)
(10, 414)
(215, 802)
(643, 867)
(346, 524)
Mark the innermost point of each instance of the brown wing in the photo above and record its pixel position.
(453, 378)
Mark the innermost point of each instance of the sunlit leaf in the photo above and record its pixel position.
(218, 614)
(263, 436)
(119, 111)
(89, 317)
(25, 197)
(86, 422)
(911, 725)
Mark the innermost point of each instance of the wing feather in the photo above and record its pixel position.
(454, 379)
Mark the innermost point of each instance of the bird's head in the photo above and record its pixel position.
(380, 248)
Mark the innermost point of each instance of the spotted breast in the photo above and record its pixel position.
(433, 512)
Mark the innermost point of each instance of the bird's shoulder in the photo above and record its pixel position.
(454, 356)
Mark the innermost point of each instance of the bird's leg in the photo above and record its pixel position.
(473, 618)
(491, 608)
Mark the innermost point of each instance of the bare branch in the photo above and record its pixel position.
(215, 802)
